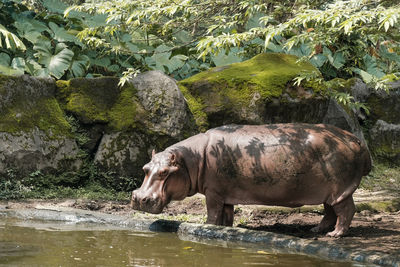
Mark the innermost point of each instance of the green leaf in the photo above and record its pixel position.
(327, 52)
(372, 66)
(18, 63)
(300, 51)
(15, 68)
(275, 48)
(367, 78)
(30, 29)
(254, 21)
(5, 59)
(11, 40)
(161, 57)
(338, 60)
(113, 68)
(98, 20)
(9, 71)
(176, 62)
(101, 61)
(182, 36)
(12, 69)
(61, 35)
(56, 60)
(32, 67)
(132, 47)
(79, 65)
(55, 6)
(224, 58)
(318, 60)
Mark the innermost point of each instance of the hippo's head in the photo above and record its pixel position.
(164, 180)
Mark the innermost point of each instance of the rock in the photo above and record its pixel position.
(124, 153)
(31, 151)
(383, 121)
(385, 141)
(120, 126)
(165, 104)
(100, 101)
(108, 119)
(383, 105)
(338, 116)
(34, 133)
(250, 92)
(261, 90)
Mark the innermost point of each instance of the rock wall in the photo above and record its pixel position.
(382, 124)
(261, 90)
(34, 132)
(65, 126)
(77, 125)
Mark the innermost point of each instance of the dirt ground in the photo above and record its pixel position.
(370, 230)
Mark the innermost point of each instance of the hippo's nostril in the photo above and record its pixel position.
(145, 200)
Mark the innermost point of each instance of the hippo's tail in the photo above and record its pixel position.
(367, 159)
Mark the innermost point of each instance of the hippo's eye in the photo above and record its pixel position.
(146, 170)
(163, 172)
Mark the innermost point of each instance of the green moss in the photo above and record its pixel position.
(380, 206)
(384, 109)
(100, 100)
(196, 106)
(266, 73)
(25, 111)
(126, 111)
(342, 85)
(265, 76)
(89, 99)
(385, 151)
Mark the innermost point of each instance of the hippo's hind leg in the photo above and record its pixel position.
(328, 221)
(345, 211)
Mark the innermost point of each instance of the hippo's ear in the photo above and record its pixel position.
(172, 159)
(153, 153)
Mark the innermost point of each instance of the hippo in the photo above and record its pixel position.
(286, 165)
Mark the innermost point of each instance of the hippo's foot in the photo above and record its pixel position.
(336, 233)
(345, 211)
(328, 222)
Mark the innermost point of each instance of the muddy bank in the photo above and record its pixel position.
(370, 243)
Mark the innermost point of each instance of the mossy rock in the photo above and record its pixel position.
(167, 108)
(34, 132)
(385, 141)
(382, 104)
(123, 153)
(101, 101)
(27, 103)
(253, 91)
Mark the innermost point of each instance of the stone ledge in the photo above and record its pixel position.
(205, 232)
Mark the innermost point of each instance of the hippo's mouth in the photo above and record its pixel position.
(150, 206)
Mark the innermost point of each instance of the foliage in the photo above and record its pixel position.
(84, 184)
(41, 42)
(342, 38)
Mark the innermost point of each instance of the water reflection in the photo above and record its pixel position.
(27, 243)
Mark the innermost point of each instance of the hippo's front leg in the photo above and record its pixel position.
(228, 213)
(218, 213)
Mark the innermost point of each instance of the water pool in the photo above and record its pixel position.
(38, 243)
